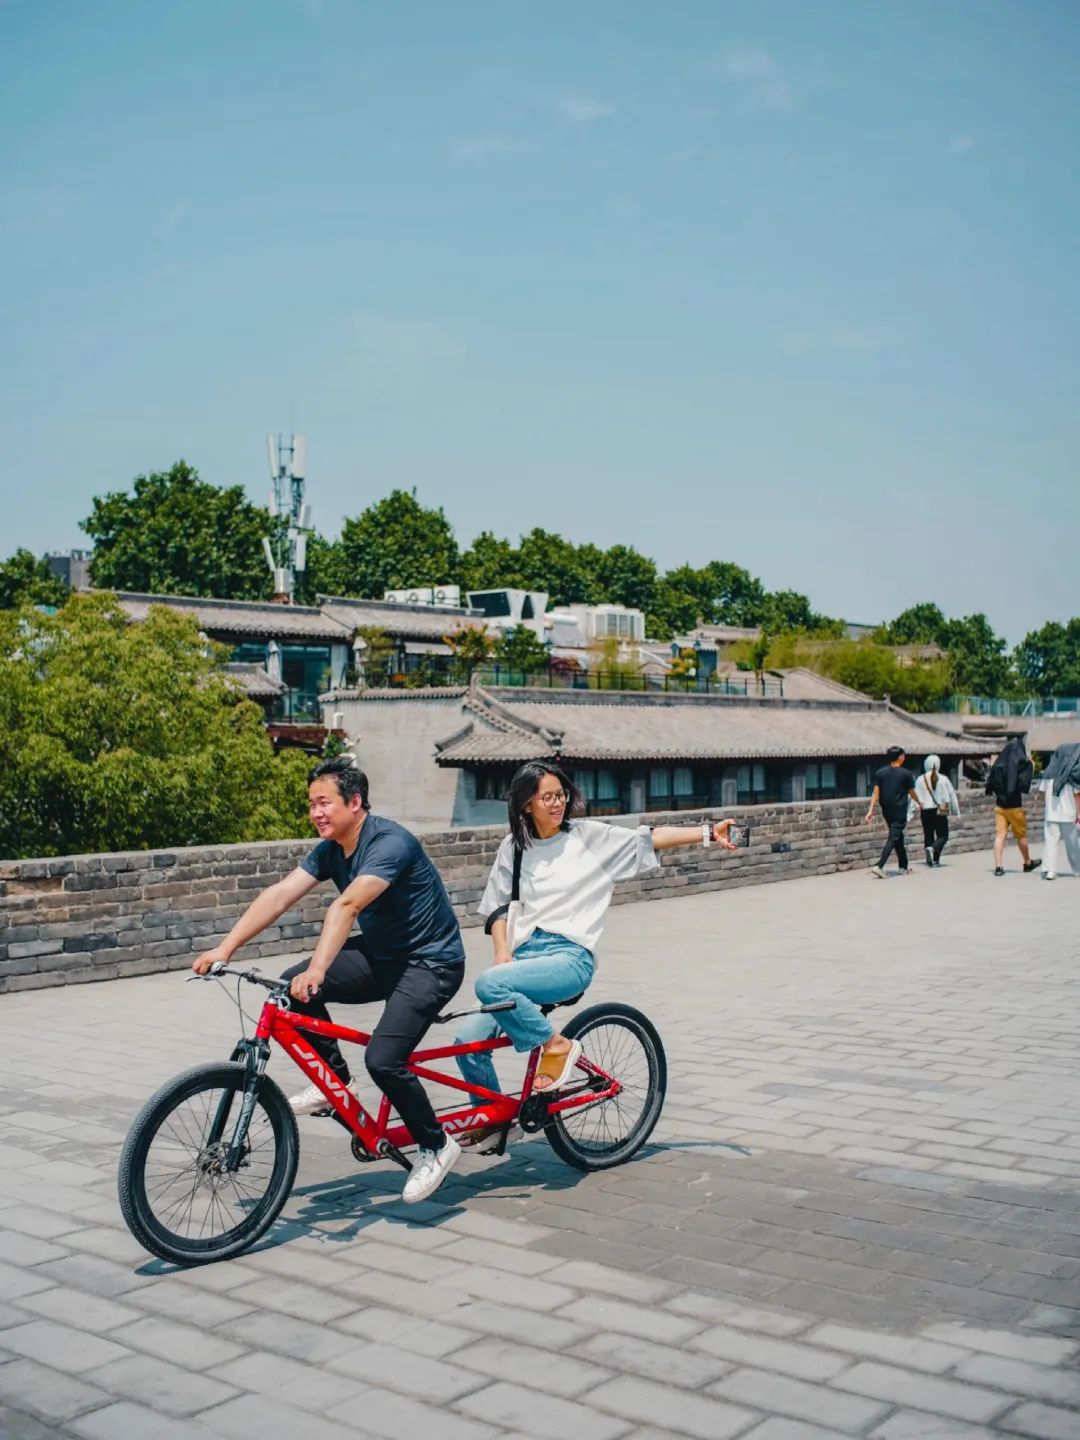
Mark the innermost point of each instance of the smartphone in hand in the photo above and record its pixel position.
(739, 835)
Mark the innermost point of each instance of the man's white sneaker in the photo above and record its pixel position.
(430, 1170)
(878, 871)
(312, 1101)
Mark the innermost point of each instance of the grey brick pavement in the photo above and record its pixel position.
(859, 1216)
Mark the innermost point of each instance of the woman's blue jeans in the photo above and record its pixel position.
(545, 969)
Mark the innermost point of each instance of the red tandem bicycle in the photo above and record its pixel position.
(211, 1158)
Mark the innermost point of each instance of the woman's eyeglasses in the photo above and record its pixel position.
(553, 798)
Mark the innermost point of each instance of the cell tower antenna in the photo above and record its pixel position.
(287, 555)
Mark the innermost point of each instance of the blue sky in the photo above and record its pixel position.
(790, 284)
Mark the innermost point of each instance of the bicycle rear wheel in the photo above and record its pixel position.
(624, 1044)
(176, 1195)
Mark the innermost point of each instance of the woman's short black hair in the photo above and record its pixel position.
(524, 786)
(350, 779)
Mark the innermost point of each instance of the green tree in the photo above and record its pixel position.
(788, 610)
(674, 611)
(325, 573)
(613, 665)
(977, 657)
(472, 648)
(627, 578)
(116, 736)
(922, 624)
(176, 535)
(718, 593)
(520, 649)
(875, 670)
(395, 543)
(377, 654)
(684, 664)
(548, 562)
(489, 564)
(1048, 660)
(26, 580)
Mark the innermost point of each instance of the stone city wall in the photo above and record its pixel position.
(97, 917)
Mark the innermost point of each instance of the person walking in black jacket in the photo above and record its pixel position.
(1009, 781)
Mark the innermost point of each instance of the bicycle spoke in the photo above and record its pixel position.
(186, 1187)
(617, 1050)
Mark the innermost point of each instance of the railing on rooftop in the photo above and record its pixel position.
(1045, 706)
(557, 677)
(297, 707)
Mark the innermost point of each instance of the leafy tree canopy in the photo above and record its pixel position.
(116, 736)
(977, 658)
(565, 571)
(519, 649)
(875, 670)
(922, 624)
(176, 535)
(26, 580)
(1048, 660)
(394, 543)
(627, 578)
(788, 610)
(472, 648)
(489, 564)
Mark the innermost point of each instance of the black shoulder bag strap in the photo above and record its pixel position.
(515, 895)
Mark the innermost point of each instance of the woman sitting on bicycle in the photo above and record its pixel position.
(569, 867)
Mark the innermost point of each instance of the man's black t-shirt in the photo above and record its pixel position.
(894, 784)
(412, 919)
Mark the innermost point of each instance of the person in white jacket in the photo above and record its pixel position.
(568, 870)
(937, 796)
(1059, 784)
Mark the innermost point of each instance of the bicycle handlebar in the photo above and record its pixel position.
(218, 970)
(280, 987)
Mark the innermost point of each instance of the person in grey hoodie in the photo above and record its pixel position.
(1060, 783)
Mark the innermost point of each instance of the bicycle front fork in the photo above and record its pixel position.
(256, 1056)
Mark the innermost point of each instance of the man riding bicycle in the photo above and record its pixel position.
(409, 953)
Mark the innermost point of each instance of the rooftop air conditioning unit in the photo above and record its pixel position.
(394, 597)
(419, 596)
(448, 595)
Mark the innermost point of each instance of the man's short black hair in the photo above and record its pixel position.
(894, 753)
(350, 779)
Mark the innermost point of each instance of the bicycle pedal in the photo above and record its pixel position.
(496, 1144)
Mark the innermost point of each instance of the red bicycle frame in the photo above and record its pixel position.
(287, 1028)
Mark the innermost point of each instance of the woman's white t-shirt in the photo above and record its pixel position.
(566, 882)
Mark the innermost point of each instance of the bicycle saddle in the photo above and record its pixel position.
(547, 1009)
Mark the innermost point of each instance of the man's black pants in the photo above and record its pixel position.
(895, 842)
(414, 995)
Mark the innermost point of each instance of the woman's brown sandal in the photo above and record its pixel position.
(558, 1067)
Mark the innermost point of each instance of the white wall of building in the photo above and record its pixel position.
(393, 738)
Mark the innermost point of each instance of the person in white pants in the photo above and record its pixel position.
(1059, 784)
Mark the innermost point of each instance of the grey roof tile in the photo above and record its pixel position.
(243, 617)
(592, 726)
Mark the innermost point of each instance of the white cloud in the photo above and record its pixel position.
(961, 144)
(761, 74)
(583, 109)
(479, 147)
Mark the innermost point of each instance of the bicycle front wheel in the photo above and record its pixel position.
(623, 1043)
(177, 1196)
